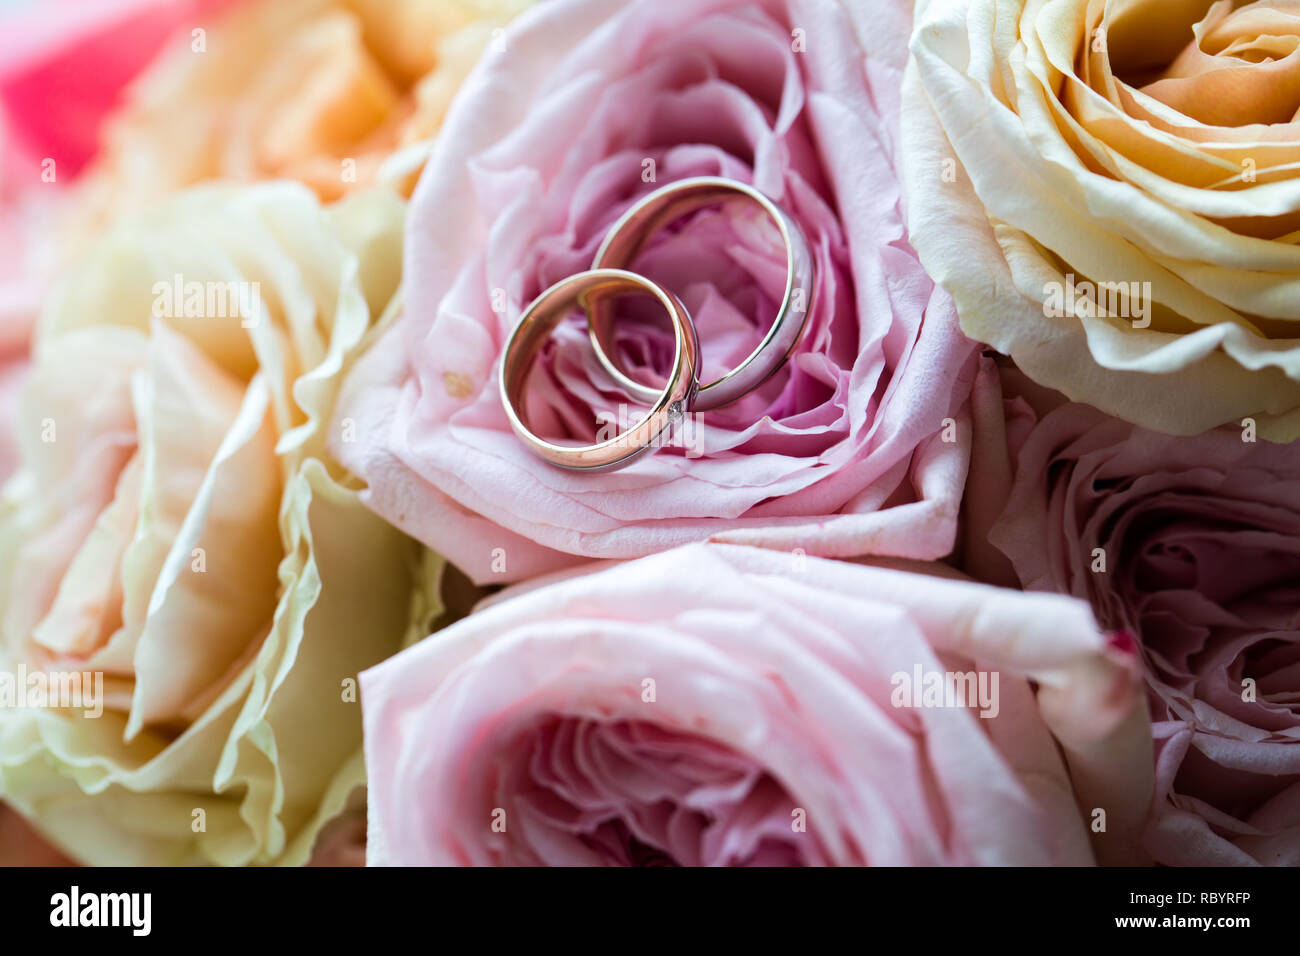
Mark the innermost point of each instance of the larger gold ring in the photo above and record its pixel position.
(628, 236)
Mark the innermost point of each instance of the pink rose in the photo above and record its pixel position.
(859, 445)
(13, 370)
(24, 240)
(718, 704)
(1192, 545)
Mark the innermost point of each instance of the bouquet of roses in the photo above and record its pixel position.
(637, 432)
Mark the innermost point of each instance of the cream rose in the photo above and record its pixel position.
(1110, 191)
(321, 91)
(176, 527)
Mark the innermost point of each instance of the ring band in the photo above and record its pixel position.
(590, 290)
(628, 236)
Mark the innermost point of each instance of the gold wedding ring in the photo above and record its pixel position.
(629, 235)
(598, 288)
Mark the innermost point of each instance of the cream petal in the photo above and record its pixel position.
(217, 584)
(88, 608)
(352, 575)
(76, 434)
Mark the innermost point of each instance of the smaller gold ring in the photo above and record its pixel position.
(588, 290)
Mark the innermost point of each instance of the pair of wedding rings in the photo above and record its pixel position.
(595, 292)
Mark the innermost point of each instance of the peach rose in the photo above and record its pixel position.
(176, 533)
(343, 841)
(321, 91)
(62, 68)
(1111, 192)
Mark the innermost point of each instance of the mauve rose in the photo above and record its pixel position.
(342, 841)
(721, 704)
(20, 845)
(1193, 546)
(843, 453)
